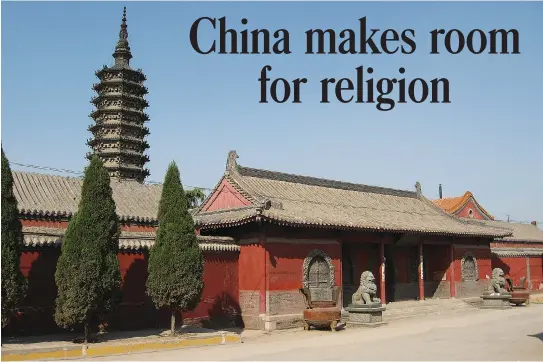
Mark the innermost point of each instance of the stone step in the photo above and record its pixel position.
(434, 313)
(428, 307)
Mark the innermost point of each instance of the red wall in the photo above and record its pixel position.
(38, 267)
(133, 267)
(45, 223)
(364, 257)
(437, 261)
(219, 298)
(138, 228)
(221, 294)
(250, 266)
(64, 225)
(516, 268)
(512, 267)
(536, 272)
(519, 245)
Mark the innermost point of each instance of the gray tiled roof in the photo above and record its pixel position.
(521, 232)
(51, 195)
(129, 240)
(298, 200)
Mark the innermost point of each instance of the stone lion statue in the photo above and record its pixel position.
(365, 294)
(497, 284)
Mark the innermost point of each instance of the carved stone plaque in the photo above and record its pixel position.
(318, 270)
(318, 273)
(469, 268)
(318, 279)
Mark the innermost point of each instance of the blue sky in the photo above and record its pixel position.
(488, 140)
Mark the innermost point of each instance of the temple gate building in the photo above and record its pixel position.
(285, 223)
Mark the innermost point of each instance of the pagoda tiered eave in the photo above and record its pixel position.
(137, 74)
(140, 102)
(111, 124)
(142, 145)
(117, 109)
(137, 156)
(119, 81)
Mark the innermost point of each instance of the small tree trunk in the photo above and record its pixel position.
(172, 328)
(86, 332)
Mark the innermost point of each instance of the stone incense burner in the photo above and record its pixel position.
(321, 313)
(519, 293)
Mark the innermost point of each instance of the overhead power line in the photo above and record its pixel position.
(81, 173)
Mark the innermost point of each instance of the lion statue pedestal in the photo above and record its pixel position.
(496, 296)
(366, 310)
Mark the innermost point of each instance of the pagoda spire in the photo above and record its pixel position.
(122, 52)
(119, 131)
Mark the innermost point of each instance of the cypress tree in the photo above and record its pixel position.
(176, 263)
(87, 274)
(13, 282)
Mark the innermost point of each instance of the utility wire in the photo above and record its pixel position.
(81, 173)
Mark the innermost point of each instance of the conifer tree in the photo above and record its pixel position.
(87, 274)
(13, 281)
(176, 263)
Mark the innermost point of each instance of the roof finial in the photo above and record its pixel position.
(418, 187)
(231, 163)
(123, 34)
(122, 53)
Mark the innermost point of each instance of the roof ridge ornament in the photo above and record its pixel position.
(418, 188)
(265, 204)
(231, 163)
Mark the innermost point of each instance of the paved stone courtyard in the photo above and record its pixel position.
(515, 334)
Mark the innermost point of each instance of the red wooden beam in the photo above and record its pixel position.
(451, 272)
(421, 273)
(382, 271)
(264, 269)
(340, 297)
